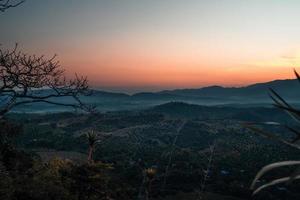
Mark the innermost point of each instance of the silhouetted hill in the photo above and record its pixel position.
(104, 94)
(252, 95)
(191, 111)
(288, 88)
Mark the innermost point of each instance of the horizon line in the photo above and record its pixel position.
(155, 89)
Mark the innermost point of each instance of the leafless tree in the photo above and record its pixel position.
(26, 79)
(6, 4)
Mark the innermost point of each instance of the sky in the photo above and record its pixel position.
(151, 45)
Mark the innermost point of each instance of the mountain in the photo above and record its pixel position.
(191, 111)
(252, 95)
(217, 95)
(288, 88)
(103, 94)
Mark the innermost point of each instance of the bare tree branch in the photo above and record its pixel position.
(6, 4)
(26, 79)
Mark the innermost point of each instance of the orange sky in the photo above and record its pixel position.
(154, 45)
(161, 63)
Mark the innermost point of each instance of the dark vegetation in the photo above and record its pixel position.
(132, 144)
(292, 142)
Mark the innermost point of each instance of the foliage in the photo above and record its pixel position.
(56, 179)
(280, 103)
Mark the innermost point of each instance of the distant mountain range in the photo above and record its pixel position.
(252, 95)
(289, 88)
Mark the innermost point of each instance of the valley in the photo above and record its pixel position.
(174, 138)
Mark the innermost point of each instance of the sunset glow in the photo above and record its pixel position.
(154, 45)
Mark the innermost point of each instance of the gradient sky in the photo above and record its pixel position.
(136, 45)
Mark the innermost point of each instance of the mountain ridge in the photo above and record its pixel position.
(252, 95)
(265, 85)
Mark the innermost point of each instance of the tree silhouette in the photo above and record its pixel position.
(6, 4)
(26, 79)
